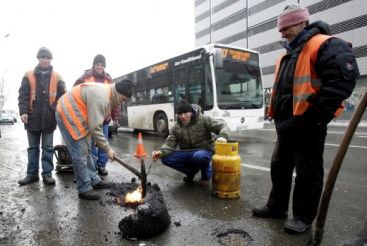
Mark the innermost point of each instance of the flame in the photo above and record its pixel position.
(135, 196)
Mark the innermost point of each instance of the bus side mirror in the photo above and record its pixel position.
(218, 59)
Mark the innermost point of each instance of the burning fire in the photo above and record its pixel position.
(135, 196)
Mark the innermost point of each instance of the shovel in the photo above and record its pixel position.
(142, 174)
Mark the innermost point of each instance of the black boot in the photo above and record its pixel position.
(102, 185)
(48, 180)
(28, 180)
(268, 212)
(89, 195)
(296, 226)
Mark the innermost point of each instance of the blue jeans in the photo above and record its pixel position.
(100, 157)
(80, 152)
(34, 139)
(190, 162)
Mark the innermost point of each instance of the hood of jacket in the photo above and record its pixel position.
(317, 27)
(196, 110)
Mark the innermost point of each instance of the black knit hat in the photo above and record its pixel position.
(44, 52)
(124, 87)
(183, 107)
(99, 59)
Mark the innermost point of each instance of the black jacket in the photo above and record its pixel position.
(337, 68)
(43, 117)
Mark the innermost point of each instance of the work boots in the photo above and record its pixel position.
(89, 195)
(102, 185)
(48, 179)
(28, 180)
(268, 212)
(296, 226)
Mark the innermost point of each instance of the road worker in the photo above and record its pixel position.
(193, 134)
(80, 115)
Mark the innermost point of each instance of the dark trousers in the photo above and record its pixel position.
(300, 146)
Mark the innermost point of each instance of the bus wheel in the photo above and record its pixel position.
(161, 125)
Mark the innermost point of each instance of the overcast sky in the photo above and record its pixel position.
(131, 34)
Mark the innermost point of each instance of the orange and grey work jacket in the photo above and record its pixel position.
(93, 79)
(55, 77)
(306, 81)
(73, 110)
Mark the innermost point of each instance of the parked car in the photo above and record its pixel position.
(6, 119)
(112, 129)
(15, 118)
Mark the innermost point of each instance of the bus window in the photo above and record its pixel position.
(161, 88)
(180, 80)
(195, 85)
(239, 86)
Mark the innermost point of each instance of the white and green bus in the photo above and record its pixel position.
(225, 81)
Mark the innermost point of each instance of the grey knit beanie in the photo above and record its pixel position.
(44, 52)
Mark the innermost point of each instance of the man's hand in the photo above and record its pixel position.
(156, 155)
(24, 118)
(111, 154)
(221, 140)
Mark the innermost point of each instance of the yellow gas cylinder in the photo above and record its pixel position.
(226, 180)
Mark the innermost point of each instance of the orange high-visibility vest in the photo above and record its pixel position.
(73, 111)
(93, 79)
(305, 82)
(52, 87)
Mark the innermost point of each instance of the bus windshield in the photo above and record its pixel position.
(239, 83)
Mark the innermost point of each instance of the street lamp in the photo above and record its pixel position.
(2, 82)
(210, 21)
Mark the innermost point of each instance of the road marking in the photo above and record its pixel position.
(350, 146)
(259, 168)
(329, 132)
(343, 132)
(256, 167)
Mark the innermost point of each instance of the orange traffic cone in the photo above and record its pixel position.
(140, 152)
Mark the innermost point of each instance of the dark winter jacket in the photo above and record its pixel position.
(43, 117)
(337, 69)
(196, 135)
(115, 113)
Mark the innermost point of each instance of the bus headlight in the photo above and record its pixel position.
(226, 114)
(215, 114)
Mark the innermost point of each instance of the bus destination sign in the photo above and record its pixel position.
(158, 68)
(235, 54)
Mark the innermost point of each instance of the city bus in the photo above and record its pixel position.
(225, 81)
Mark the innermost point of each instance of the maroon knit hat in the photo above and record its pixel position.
(292, 15)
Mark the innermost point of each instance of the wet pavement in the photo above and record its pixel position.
(38, 214)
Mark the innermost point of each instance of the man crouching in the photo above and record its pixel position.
(193, 134)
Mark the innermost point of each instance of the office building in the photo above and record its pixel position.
(252, 24)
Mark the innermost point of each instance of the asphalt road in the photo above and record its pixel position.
(54, 215)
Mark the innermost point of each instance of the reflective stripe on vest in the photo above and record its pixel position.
(93, 79)
(306, 82)
(52, 90)
(73, 111)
